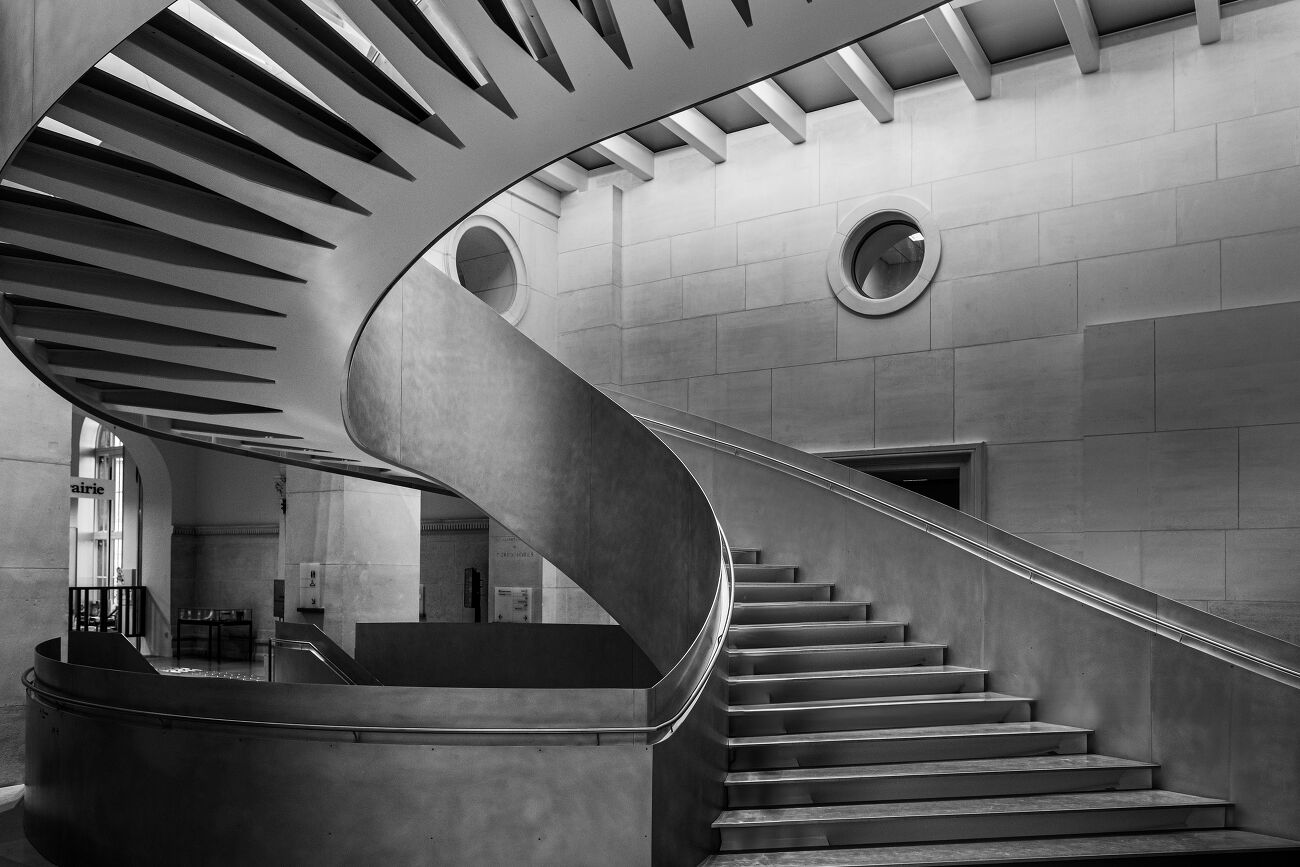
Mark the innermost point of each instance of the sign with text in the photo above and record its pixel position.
(95, 489)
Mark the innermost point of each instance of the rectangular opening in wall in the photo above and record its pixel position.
(952, 475)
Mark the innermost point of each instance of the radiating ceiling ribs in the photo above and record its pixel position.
(777, 108)
(853, 67)
(327, 64)
(68, 231)
(422, 52)
(692, 127)
(261, 107)
(126, 188)
(1081, 29)
(1208, 22)
(511, 62)
(67, 360)
(958, 41)
(134, 121)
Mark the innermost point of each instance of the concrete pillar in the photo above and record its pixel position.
(35, 426)
(366, 537)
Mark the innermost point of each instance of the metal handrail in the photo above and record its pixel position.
(719, 619)
(1058, 583)
(306, 646)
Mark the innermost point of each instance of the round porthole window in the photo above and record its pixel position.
(488, 263)
(884, 256)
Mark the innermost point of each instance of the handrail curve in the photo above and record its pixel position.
(307, 647)
(1059, 583)
(693, 670)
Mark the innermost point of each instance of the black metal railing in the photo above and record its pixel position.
(107, 609)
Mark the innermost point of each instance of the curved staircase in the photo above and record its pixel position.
(851, 746)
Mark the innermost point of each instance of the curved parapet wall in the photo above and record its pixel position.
(209, 772)
(441, 385)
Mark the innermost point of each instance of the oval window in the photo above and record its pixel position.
(884, 256)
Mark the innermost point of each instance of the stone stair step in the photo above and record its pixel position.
(854, 683)
(833, 657)
(876, 712)
(783, 591)
(968, 778)
(745, 556)
(1180, 845)
(968, 819)
(909, 744)
(794, 634)
(751, 613)
(765, 572)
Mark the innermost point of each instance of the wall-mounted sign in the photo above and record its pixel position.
(513, 604)
(311, 590)
(95, 489)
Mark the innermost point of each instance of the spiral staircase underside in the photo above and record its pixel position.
(200, 265)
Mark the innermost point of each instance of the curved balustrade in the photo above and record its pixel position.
(1237, 645)
(1158, 680)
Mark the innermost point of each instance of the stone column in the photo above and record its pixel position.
(35, 433)
(366, 537)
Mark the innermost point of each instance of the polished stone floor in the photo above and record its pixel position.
(14, 848)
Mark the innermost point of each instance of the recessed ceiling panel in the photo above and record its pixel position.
(908, 54)
(731, 113)
(1007, 29)
(589, 159)
(656, 137)
(814, 86)
(1113, 16)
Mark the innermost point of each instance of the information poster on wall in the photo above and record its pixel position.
(512, 604)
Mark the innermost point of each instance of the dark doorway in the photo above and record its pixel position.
(943, 485)
(952, 475)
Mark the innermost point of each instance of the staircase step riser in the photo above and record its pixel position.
(751, 572)
(840, 753)
(823, 719)
(917, 787)
(800, 612)
(982, 827)
(806, 636)
(744, 556)
(777, 591)
(834, 660)
(867, 686)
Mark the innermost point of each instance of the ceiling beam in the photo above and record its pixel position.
(1076, 15)
(692, 127)
(860, 75)
(777, 108)
(565, 176)
(958, 41)
(1208, 21)
(628, 153)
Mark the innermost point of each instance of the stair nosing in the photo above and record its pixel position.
(943, 768)
(828, 648)
(876, 701)
(904, 733)
(1014, 805)
(846, 673)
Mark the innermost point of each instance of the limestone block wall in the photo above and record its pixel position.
(1114, 313)
(35, 427)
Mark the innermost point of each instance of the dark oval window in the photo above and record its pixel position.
(888, 259)
(485, 267)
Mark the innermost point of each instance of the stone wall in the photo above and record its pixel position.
(35, 427)
(1113, 313)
